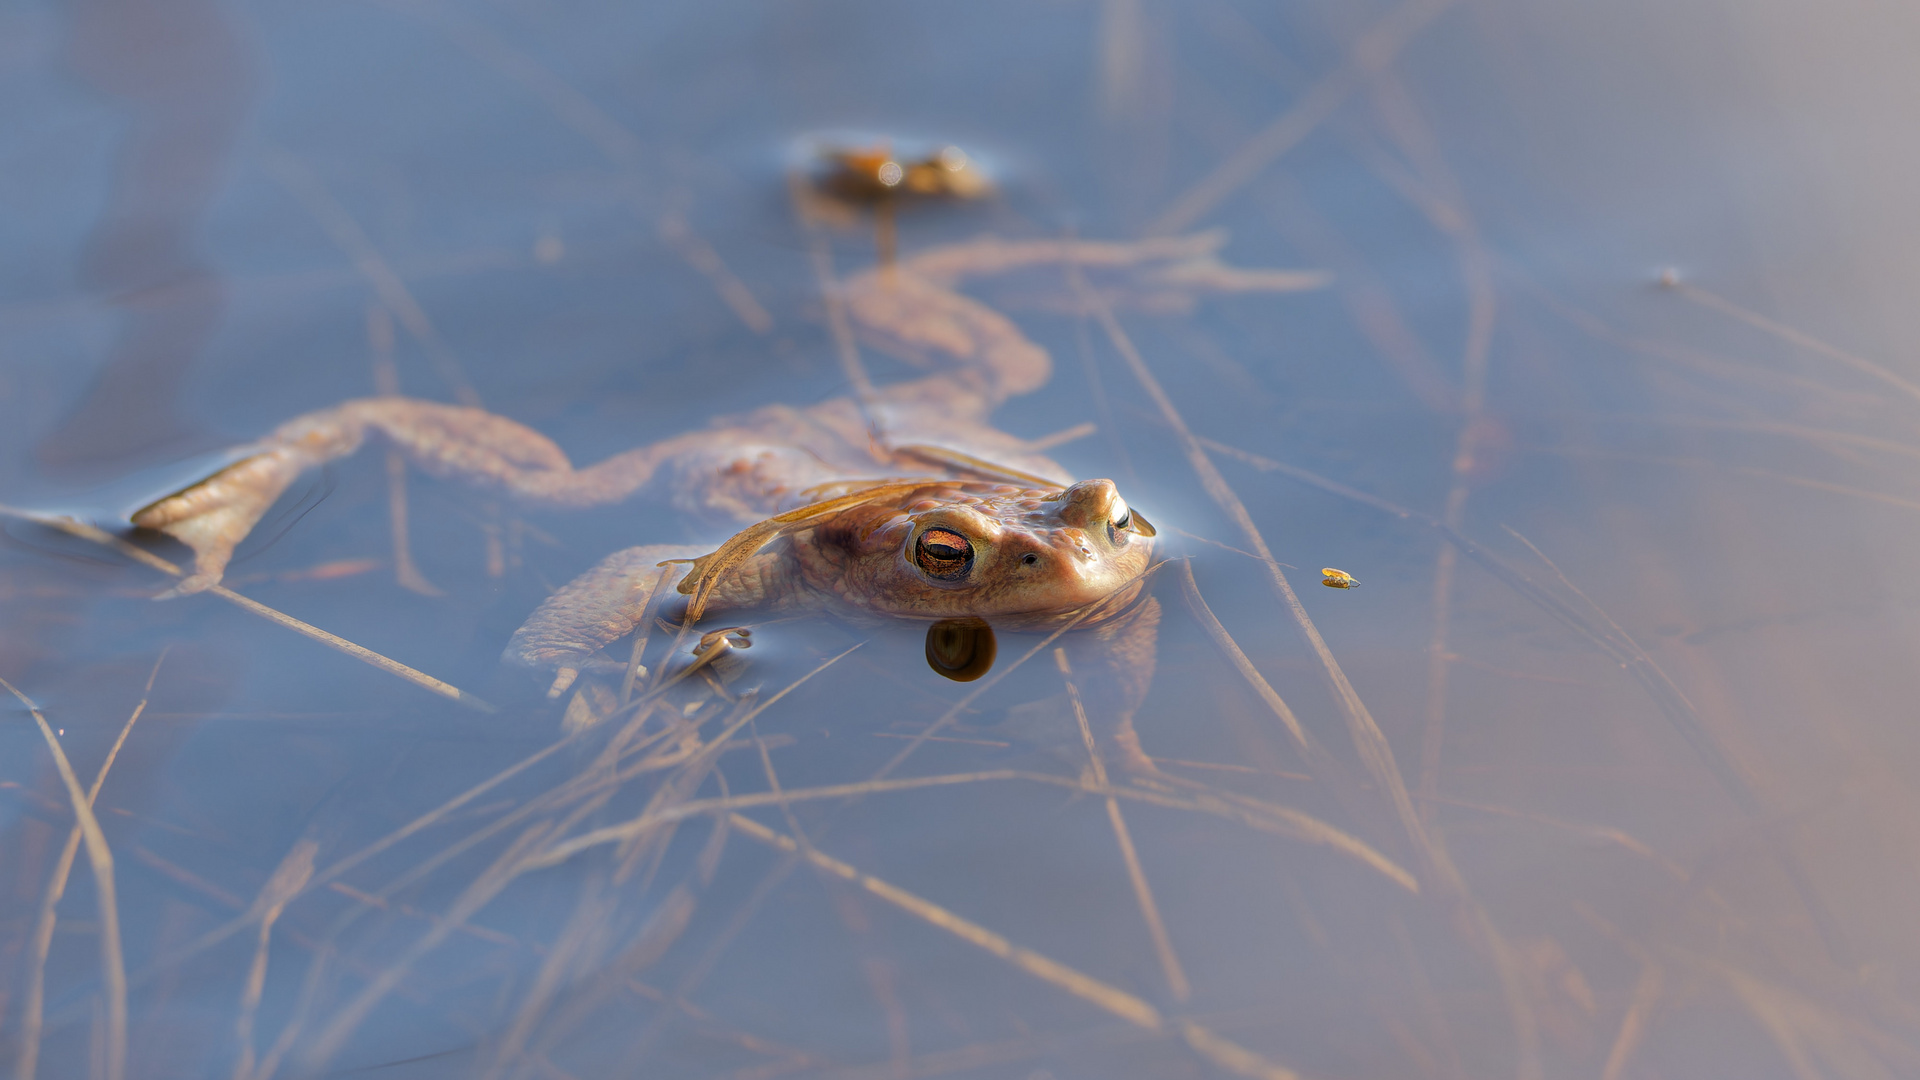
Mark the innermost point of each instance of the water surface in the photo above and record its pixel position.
(1631, 663)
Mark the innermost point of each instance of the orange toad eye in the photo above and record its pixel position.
(944, 554)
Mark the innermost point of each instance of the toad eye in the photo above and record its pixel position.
(1121, 520)
(943, 554)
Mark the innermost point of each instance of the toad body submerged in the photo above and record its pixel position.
(901, 501)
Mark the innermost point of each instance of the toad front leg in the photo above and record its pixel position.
(606, 603)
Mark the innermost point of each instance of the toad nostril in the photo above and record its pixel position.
(1030, 559)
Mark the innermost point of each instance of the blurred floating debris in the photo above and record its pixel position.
(1337, 579)
(875, 173)
(836, 178)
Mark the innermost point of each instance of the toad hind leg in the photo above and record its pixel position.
(914, 308)
(447, 441)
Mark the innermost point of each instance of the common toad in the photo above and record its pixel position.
(901, 501)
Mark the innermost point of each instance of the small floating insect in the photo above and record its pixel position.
(1337, 579)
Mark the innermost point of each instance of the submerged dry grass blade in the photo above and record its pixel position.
(1715, 302)
(1446, 209)
(656, 594)
(1127, 1006)
(1177, 983)
(594, 906)
(346, 233)
(288, 879)
(617, 975)
(1628, 654)
(1604, 833)
(979, 1056)
(1368, 740)
(1634, 1023)
(1370, 743)
(332, 873)
(1742, 470)
(94, 534)
(438, 813)
(474, 897)
(1369, 304)
(584, 117)
(879, 973)
(1829, 439)
(702, 257)
(845, 347)
(33, 1011)
(1612, 641)
(654, 819)
(1680, 712)
(358, 652)
(1214, 1047)
(1063, 436)
(1253, 813)
(1238, 658)
(113, 966)
(386, 382)
(656, 814)
(1737, 372)
(1818, 1040)
(1375, 49)
(1279, 820)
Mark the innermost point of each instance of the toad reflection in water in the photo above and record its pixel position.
(903, 502)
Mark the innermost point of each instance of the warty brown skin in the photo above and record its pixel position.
(1037, 555)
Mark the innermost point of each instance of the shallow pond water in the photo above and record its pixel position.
(1606, 768)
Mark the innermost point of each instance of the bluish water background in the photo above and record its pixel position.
(1739, 501)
